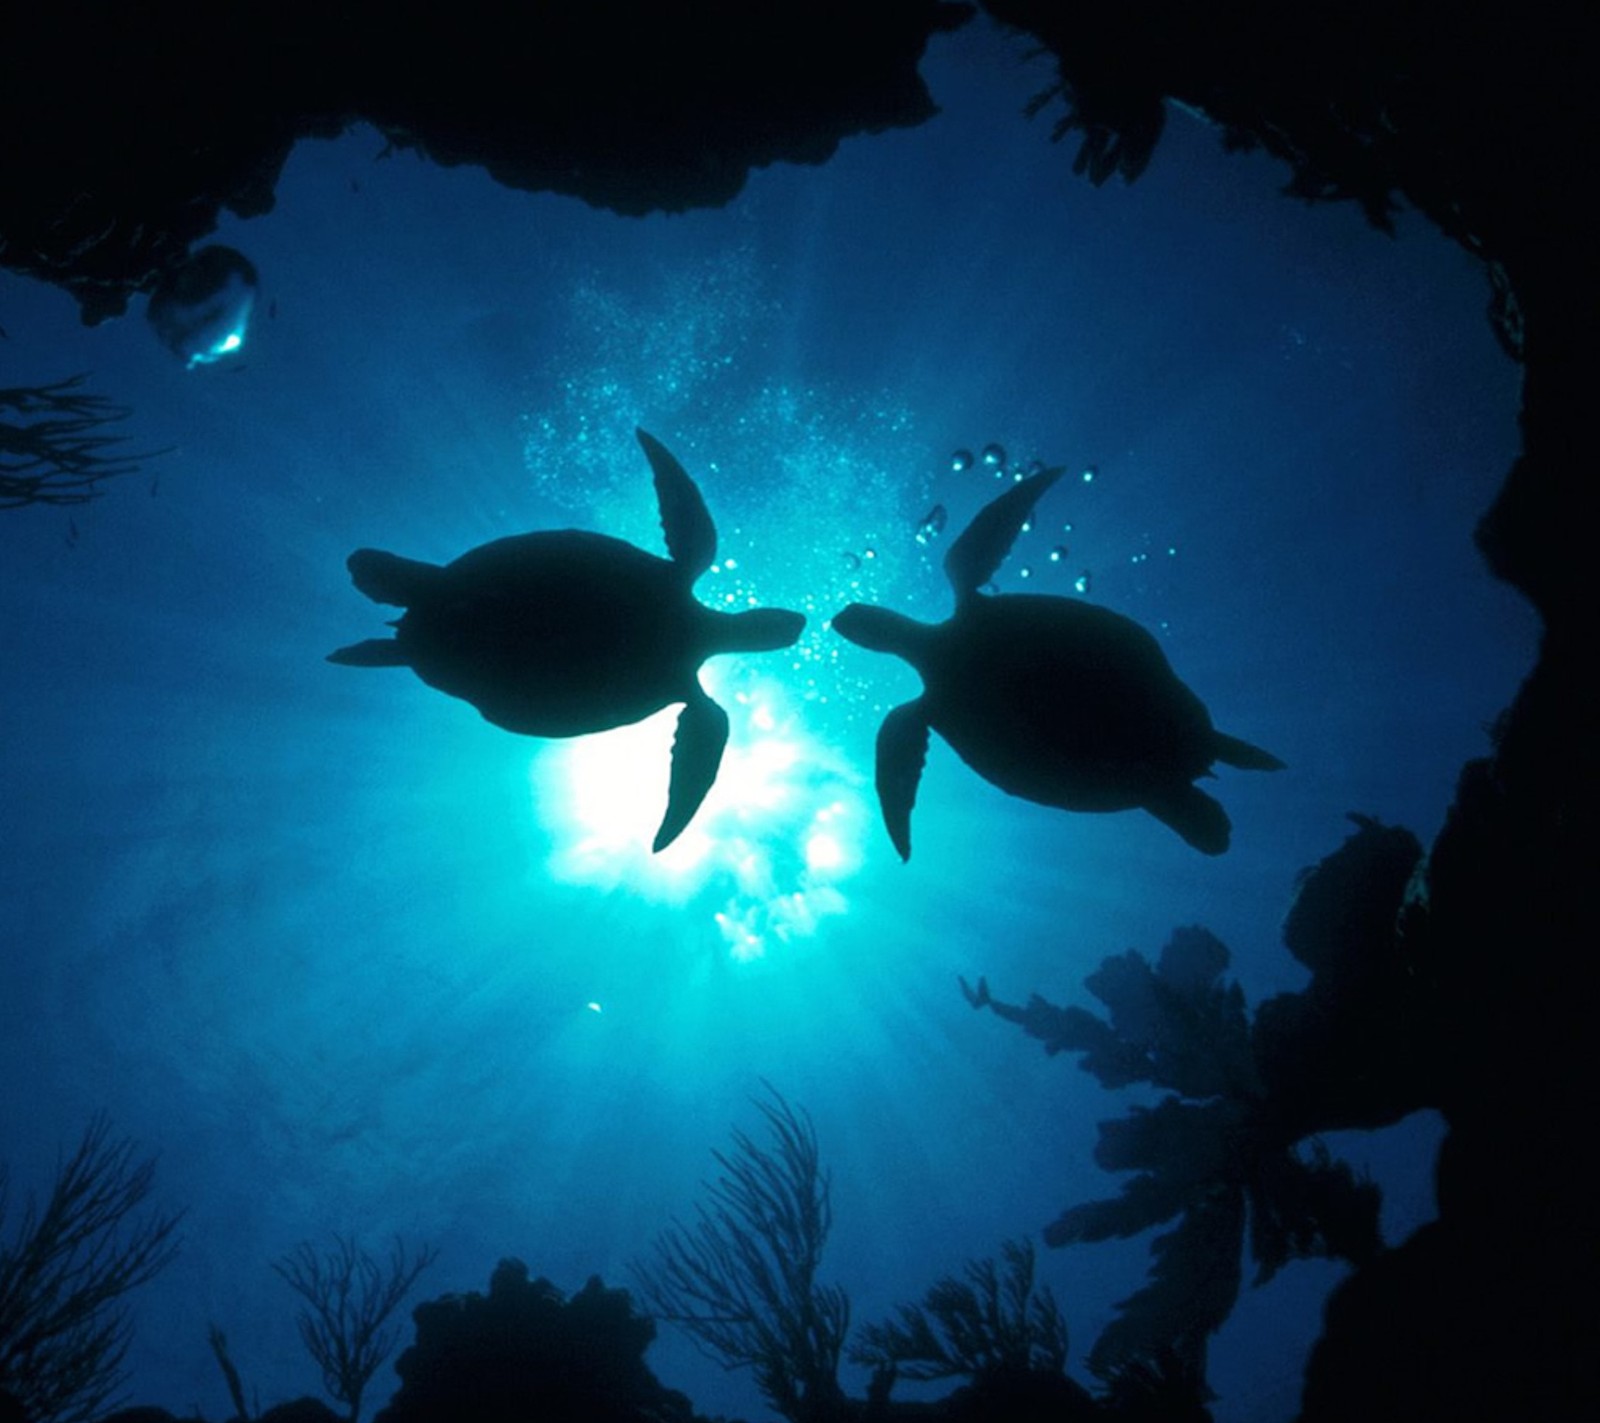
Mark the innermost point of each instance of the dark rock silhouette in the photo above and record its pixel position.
(565, 633)
(1504, 946)
(1051, 699)
(1359, 1046)
(524, 1351)
(299, 1410)
(116, 166)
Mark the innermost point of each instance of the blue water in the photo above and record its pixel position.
(350, 959)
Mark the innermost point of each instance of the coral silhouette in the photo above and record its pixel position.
(742, 1281)
(525, 1351)
(64, 1325)
(1230, 1153)
(992, 1328)
(349, 1297)
(54, 444)
(977, 1325)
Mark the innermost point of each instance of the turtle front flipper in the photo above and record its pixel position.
(388, 578)
(685, 520)
(902, 753)
(696, 755)
(973, 558)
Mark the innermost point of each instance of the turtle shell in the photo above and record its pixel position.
(556, 633)
(1064, 703)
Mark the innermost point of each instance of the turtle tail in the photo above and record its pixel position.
(374, 652)
(388, 578)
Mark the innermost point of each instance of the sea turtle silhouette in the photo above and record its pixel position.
(1051, 699)
(566, 632)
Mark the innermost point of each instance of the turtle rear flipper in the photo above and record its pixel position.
(374, 652)
(902, 753)
(1195, 816)
(388, 578)
(696, 755)
(1233, 752)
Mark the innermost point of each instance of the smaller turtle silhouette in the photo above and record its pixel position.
(1051, 699)
(566, 632)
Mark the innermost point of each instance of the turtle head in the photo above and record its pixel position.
(879, 630)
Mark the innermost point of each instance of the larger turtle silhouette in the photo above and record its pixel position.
(565, 632)
(1051, 699)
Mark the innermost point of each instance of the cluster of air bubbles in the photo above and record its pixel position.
(993, 460)
(1143, 556)
(931, 525)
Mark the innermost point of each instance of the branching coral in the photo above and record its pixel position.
(54, 448)
(63, 1326)
(743, 1279)
(977, 1327)
(349, 1297)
